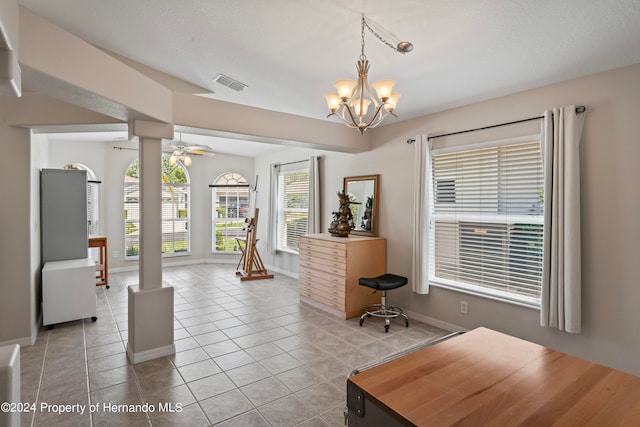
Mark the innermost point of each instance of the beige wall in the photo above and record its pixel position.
(610, 211)
(16, 281)
(39, 160)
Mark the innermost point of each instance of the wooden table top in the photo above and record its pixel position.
(485, 378)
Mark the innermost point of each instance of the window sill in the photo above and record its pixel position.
(173, 255)
(521, 302)
(287, 251)
(176, 254)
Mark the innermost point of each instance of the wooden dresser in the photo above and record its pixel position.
(330, 268)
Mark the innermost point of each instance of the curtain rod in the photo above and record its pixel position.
(579, 109)
(229, 185)
(290, 163)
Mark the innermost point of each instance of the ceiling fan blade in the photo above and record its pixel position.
(197, 147)
(181, 147)
(201, 152)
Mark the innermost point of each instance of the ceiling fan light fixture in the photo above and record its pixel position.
(183, 152)
(180, 156)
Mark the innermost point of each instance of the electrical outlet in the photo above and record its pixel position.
(464, 307)
(115, 254)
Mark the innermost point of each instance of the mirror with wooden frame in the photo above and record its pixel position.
(363, 197)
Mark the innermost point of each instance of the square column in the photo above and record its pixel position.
(150, 303)
(150, 323)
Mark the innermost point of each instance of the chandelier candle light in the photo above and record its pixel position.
(353, 106)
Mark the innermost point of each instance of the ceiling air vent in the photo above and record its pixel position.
(229, 82)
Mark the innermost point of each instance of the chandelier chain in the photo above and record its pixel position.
(378, 36)
(362, 55)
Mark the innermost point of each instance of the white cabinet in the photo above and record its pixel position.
(68, 290)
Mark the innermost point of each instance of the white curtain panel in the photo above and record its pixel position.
(273, 208)
(313, 225)
(560, 305)
(421, 211)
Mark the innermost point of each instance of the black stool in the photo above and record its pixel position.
(384, 283)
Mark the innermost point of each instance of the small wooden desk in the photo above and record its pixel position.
(485, 378)
(102, 268)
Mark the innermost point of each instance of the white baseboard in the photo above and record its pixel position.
(35, 327)
(134, 265)
(22, 342)
(450, 327)
(154, 353)
(281, 271)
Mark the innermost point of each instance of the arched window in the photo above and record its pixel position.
(230, 207)
(93, 198)
(175, 210)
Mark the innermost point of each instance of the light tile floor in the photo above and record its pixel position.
(247, 354)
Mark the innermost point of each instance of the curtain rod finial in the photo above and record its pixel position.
(411, 140)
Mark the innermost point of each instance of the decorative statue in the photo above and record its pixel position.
(366, 217)
(340, 225)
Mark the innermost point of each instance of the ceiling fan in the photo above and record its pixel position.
(180, 151)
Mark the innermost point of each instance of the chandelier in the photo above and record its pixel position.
(352, 106)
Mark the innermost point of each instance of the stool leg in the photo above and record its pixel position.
(384, 311)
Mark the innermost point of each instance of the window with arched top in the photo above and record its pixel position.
(175, 209)
(230, 207)
(93, 198)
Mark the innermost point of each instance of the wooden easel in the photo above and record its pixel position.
(252, 266)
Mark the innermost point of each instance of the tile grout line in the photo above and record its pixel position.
(135, 374)
(44, 359)
(86, 369)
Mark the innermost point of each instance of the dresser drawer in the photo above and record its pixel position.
(321, 283)
(329, 297)
(327, 257)
(337, 266)
(329, 278)
(324, 249)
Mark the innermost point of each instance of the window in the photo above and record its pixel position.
(175, 210)
(230, 199)
(487, 220)
(292, 204)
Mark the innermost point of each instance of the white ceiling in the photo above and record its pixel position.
(232, 147)
(289, 52)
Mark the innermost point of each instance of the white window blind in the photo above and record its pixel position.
(175, 218)
(131, 217)
(175, 210)
(487, 220)
(93, 225)
(230, 198)
(293, 205)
